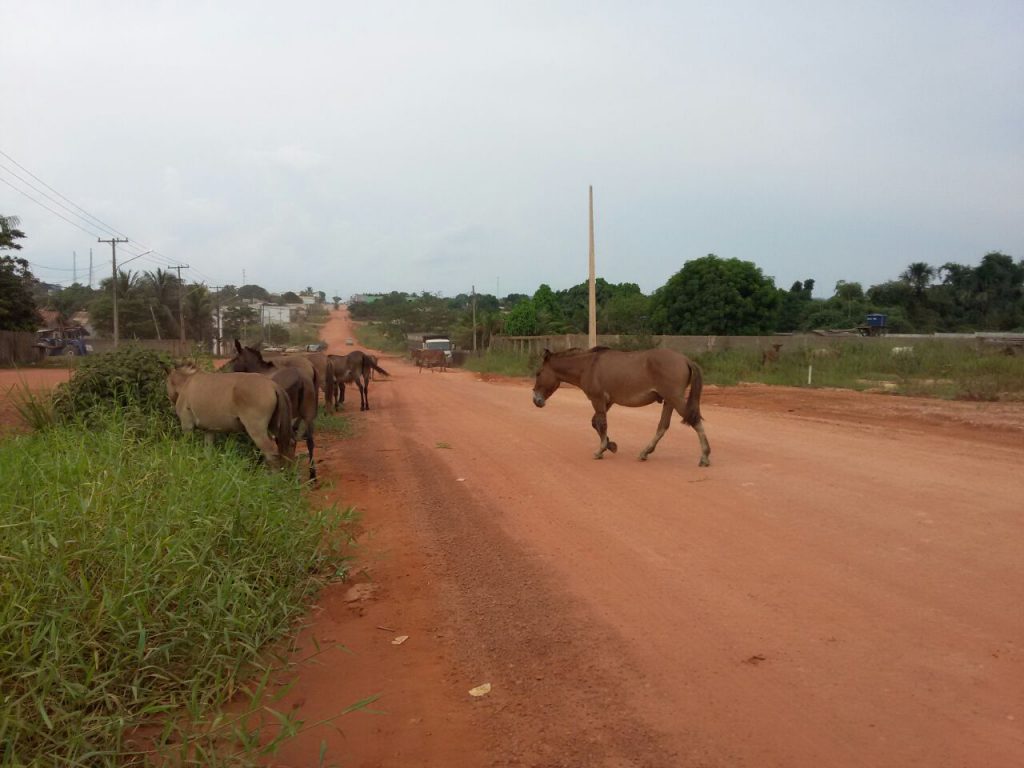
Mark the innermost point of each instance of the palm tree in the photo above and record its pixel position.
(9, 232)
(918, 275)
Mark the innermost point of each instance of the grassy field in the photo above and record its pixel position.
(932, 369)
(142, 579)
(372, 336)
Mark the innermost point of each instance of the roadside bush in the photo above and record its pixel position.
(131, 380)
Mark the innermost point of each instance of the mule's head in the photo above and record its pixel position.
(177, 378)
(546, 383)
(246, 360)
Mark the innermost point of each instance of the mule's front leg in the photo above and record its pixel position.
(663, 425)
(600, 425)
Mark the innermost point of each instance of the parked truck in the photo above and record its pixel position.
(70, 342)
(431, 341)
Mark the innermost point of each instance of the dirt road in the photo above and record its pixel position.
(842, 587)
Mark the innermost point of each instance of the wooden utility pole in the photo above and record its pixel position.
(113, 285)
(592, 328)
(474, 320)
(181, 309)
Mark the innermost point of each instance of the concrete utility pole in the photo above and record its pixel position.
(113, 286)
(90, 268)
(592, 331)
(474, 320)
(181, 310)
(219, 327)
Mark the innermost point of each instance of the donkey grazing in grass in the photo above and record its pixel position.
(234, 402)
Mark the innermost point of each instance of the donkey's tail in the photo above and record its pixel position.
(282, 423)
(377, 368)
(691, 412)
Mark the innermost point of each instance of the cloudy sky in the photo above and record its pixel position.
(379, 146)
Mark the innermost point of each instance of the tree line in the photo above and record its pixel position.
(706, 296)
(725, 296)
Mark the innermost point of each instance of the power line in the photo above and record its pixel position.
(55, 213)
(64, 197)
(90, 221)
(97, 223)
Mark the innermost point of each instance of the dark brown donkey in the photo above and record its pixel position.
(296, 382)
(609, 377)
(354, 368)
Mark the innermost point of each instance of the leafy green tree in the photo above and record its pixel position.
(74, 298)
(626, 312)
(716, 296)
(239, 322)
(198, 306)
(253, 292)
(522, 320)
(17, 306)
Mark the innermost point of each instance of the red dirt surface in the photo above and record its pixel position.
(840, 588)
(14, 381)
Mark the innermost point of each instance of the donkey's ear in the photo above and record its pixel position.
(238, 346)
(547, 354)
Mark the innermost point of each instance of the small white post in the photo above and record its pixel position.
(810, 368)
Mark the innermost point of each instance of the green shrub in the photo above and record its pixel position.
(128, 380)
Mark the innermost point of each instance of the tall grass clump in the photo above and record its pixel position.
(140, 577)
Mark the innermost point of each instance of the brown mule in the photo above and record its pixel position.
(610, 377)
(234, 402)
(296, 381)
(354, 368)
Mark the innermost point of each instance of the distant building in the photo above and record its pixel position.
(308, 298)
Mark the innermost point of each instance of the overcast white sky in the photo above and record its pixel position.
(380, 146)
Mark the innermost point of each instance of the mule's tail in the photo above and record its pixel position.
(376, 367)
(691, 411)
(282, 423)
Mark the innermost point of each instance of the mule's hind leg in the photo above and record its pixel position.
(257, 430)
(663, 425)
(363, 404)
(600, 425)
(705, 447)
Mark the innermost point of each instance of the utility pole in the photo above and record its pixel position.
(219, 326)
(113, 285)
(74, 267)
(592, 330)
(181, 310)
(474, 320)
(90, 268)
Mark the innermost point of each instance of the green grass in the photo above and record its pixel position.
(373, 336)
(935, 369)
(142, 577)
(503, 363)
